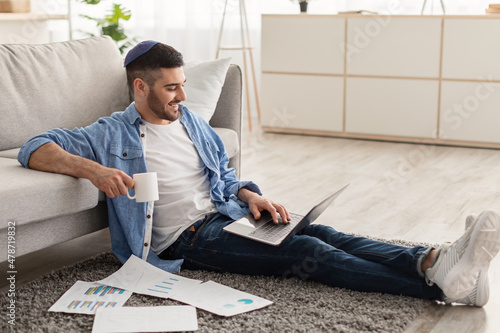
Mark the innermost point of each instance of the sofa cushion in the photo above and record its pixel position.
(204, 82)
(10, 153)
(230, 139)
(33, 77)
(30, 195)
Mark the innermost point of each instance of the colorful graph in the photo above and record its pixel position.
(103, 290)
(86, 297)
(90, 305)
(244, 301)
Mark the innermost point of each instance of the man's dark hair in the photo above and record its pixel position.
(147, 66)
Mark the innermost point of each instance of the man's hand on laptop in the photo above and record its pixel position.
(257, 204)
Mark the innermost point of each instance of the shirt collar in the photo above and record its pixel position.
(131, 114)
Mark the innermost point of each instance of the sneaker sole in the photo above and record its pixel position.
(484, 244)
(483, 291)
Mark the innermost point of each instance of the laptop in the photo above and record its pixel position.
(266, 231)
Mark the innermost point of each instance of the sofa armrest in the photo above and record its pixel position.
(228, 113)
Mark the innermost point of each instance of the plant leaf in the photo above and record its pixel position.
(118, 13)
(91, 2)
(114, 31)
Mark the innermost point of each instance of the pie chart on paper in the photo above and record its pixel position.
(245, 301)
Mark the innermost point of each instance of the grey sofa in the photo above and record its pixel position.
(66, 85)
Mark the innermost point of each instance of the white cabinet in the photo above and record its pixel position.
(396, 107)
(428, 79)
(470, 111)
(470, 91)
(471, 49)
(414, 45)
(302, 102)
(292, 45)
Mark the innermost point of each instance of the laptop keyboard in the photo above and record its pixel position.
(270, 231)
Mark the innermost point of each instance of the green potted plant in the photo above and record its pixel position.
(111, 24)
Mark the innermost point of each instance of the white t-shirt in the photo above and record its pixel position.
(183, 182)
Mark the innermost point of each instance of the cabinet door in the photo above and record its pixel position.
(471, 49)
(393, 107)
(393, 46)
(470, 111)
(303, 44)
(302, 102)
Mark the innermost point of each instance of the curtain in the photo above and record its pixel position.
(193, 26)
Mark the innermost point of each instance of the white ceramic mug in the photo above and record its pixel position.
(146, 187)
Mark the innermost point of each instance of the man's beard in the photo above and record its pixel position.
(159, 109)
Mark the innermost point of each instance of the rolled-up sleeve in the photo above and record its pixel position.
(77, 141)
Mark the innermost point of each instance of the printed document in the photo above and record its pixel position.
(141, 277)
(219, 299)
(146, 319)
(87, 297)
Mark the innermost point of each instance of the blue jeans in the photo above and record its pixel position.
(319, 253)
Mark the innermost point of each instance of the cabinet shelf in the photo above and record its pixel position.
(31, 17)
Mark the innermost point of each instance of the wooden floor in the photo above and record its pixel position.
(399, 191)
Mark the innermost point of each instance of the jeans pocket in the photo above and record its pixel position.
(198, 228)
(186, 236)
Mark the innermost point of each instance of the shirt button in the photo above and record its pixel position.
(146, 244)
(140, 122)
(142, 135)
(124, 154)
(149, 216)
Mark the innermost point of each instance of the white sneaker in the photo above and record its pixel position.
(481, 292)
(456, 270)
(479, 295)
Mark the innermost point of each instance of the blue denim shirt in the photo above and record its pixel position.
(115, 142)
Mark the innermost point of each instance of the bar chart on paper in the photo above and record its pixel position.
(165, 287)
(141, 277)
(89, 305)
(103, 290)
(87, 297)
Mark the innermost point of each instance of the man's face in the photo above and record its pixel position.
(165, 95)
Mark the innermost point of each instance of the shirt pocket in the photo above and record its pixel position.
(212, 146)
(125, 157)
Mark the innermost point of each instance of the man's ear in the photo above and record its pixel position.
(140, 87)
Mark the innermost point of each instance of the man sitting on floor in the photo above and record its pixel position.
(200, 195)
